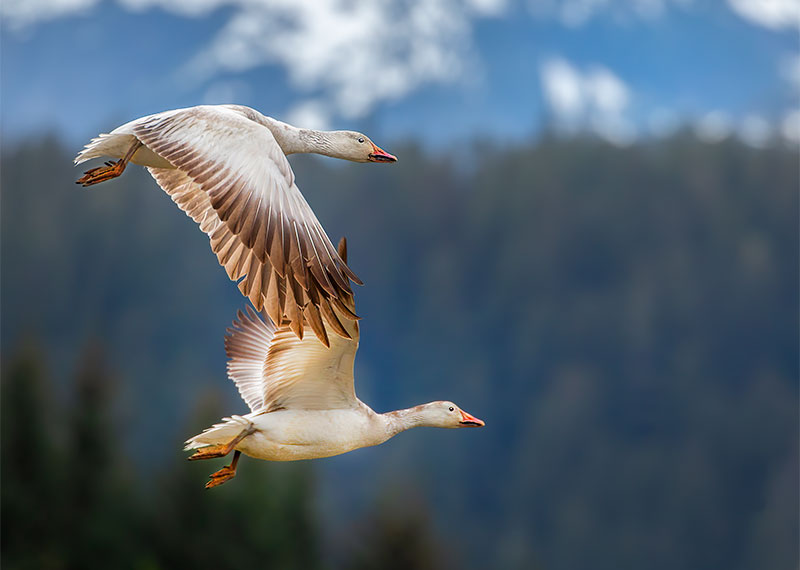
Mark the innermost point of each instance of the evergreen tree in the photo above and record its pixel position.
(31, 481)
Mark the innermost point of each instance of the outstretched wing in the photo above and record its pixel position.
(247, 345)
(234, 180)
(274, 369)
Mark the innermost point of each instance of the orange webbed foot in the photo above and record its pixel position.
(223, 475)
(102, 173)
(210, 452)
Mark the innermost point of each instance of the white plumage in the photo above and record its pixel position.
(302, 399)
(225, 166)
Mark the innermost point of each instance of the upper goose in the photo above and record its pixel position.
(226, 167)
(302, 400)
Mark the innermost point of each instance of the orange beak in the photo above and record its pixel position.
(380, 155)
(468, 420)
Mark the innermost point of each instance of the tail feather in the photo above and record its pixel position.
(111, 145)
(218, 433)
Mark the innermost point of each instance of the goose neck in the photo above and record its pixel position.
(401, 420)
(293, 140)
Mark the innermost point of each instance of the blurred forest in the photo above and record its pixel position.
(625, 320)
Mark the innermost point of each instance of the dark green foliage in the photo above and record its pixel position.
(625, 320)
(396, 536)
(30, 474)
(75, 502)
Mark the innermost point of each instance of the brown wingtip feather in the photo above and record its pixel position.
(353, 277)
(342, 303)
(280, 259)
(273, 304)
(332, 319)
(292, 309)
(315, 321)
(341, 249)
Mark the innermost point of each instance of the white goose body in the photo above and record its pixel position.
(225, 166)
(288, 435)
(302, 398)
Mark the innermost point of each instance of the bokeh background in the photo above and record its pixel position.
(590, 241)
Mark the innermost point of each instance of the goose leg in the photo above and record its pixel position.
(110, 170)
(226, 473)
(222, 449)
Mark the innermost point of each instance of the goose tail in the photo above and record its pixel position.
(221, 433)
(113, 145)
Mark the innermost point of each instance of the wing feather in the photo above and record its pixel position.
(274, 369)
(232, 178)
(247, 344)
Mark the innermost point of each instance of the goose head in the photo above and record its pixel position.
(357, 147)
(447, 415)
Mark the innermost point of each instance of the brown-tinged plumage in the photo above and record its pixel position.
(302, 398)
(225, 166)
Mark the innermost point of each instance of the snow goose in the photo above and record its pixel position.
(225, 166)
(302, 400)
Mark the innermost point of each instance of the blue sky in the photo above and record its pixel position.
(440, 71)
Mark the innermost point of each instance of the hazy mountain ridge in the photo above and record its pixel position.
(624, 319)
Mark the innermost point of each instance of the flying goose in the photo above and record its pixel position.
(225, 166)
(302, 400)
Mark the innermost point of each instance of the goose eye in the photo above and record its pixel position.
(361, 139)
(452, 408)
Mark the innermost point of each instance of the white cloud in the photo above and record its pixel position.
(191, 8)
(22, 13)
(487, 7)
(790, 70)
(596, 100)
(310, 114)
(576, 13)
(714, 126)
(610, 94)
(345, 57)
(773, 14)
(221, 92)
(753, 130)
(571, 93)
(790, 126)
(563, 88)
(355, 53)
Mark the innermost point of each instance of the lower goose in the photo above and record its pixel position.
(302, 400)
